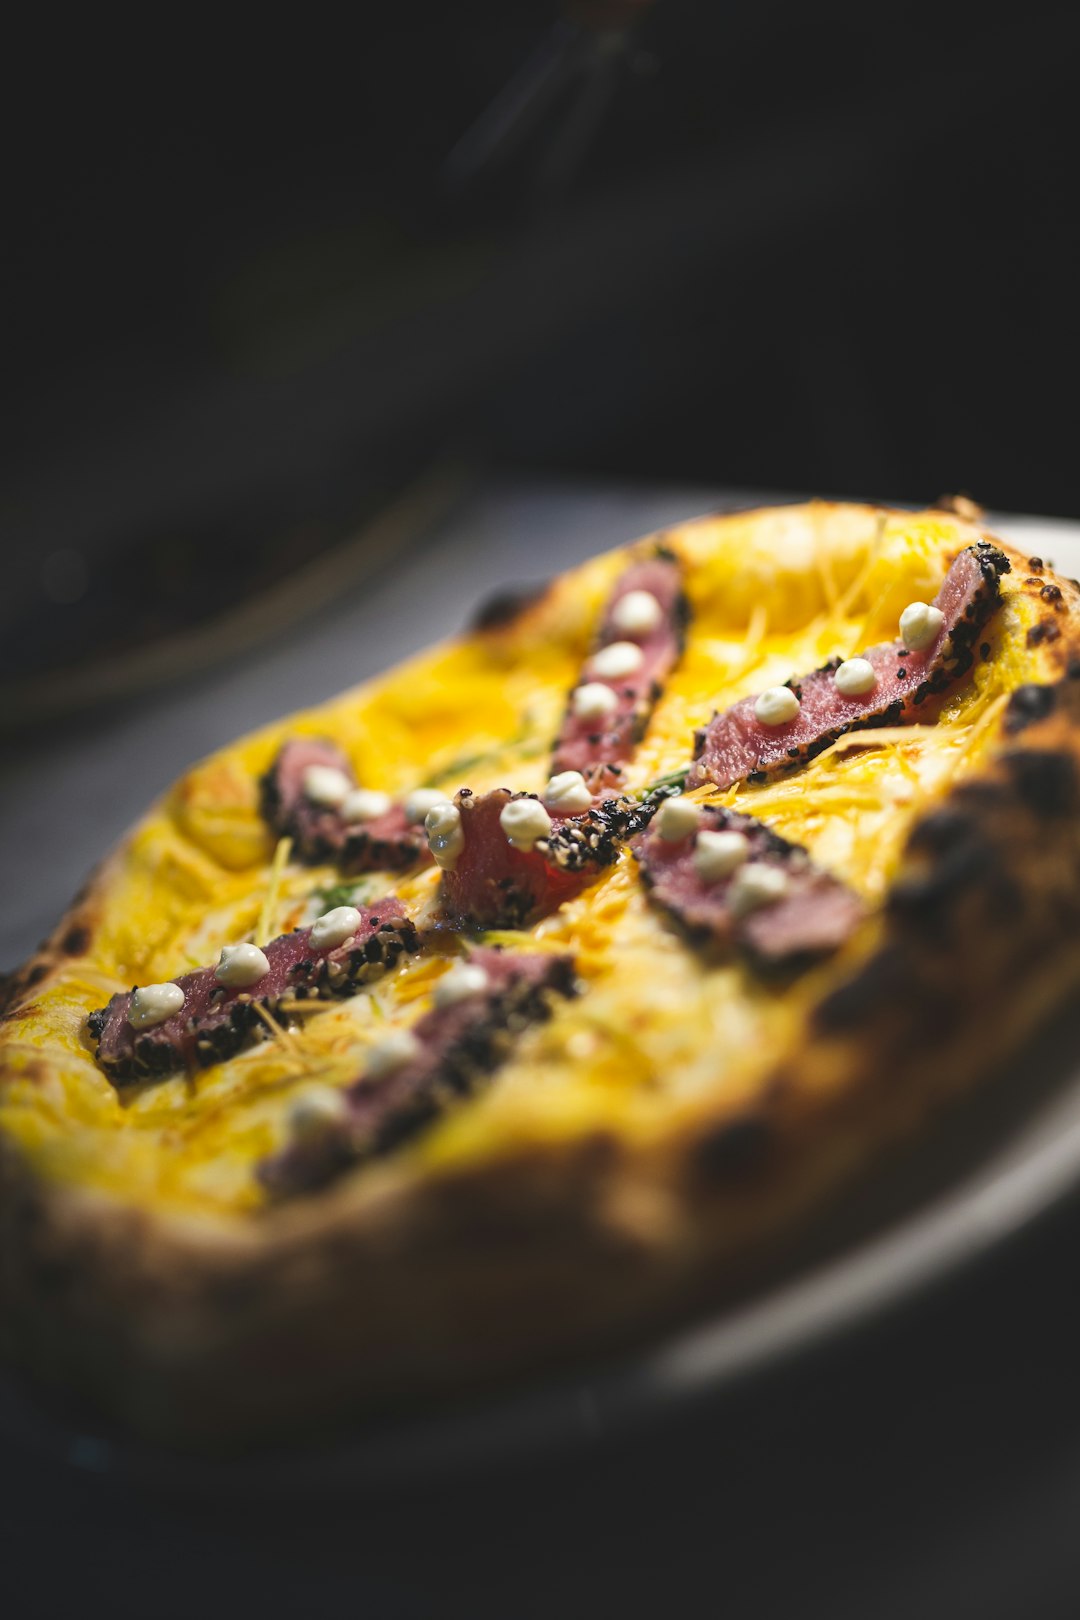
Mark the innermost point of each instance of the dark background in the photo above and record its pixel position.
(254, 287)
(257, 276)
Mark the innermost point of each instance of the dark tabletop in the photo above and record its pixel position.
(927, 1464)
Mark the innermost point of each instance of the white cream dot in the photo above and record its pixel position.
(459, 982)
(153, 1003)
(619, 658)
(677, 818)
(718, 853)
(855, 676)
(398, 1048)
(776, 706)
(636, 613)
(444, 835)
(420, 801)
(920, 624)
(240, 966)
(365, 804)
(593, 701)
(325, 785)
(315, 1111)
(757, 885)
(334, 927)
(524, 821)
(567, 791)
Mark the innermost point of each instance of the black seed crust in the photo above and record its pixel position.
(153, 1052)
(385, 1120)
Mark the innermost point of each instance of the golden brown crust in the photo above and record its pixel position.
(200, 1331)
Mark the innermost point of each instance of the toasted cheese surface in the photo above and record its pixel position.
(661, 1032)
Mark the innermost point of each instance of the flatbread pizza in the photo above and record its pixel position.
(522, 1001)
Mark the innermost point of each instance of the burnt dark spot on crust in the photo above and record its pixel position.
(36, 972)
(734, 1148)
(1027, 705)
(1036, 565)
(887, 979)
(505, 607)
(76, 942)
(1045, 780)
(1051, 593)
(962, 880)
(1045, 631)
(9, 1015)
(941, 831)
(926, 898)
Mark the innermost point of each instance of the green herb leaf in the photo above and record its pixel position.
(673, 779)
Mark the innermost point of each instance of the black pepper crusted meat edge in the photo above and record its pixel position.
(223, 1031)
(956, 659)
(601, 748)
(815, 918)
(390, 843)
(495, 885)
(389, 1115)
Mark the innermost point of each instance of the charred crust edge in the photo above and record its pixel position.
(504, 607)
(960, 856)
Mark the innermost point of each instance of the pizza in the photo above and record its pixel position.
(521, 1002)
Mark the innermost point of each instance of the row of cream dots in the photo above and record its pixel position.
(242, 966)
(722, 853)
(920, 624)
(524, 821)
(321, 1107)
(638, 613)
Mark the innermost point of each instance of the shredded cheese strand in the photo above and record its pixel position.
(263, 928)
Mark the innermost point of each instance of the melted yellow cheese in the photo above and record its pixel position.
(659, 1031)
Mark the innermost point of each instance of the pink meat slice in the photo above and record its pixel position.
(215, 1022)
(461, 1047)
(495, 885)
(735, 746)
(813, 918)
(389, 843)
(599, 748)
